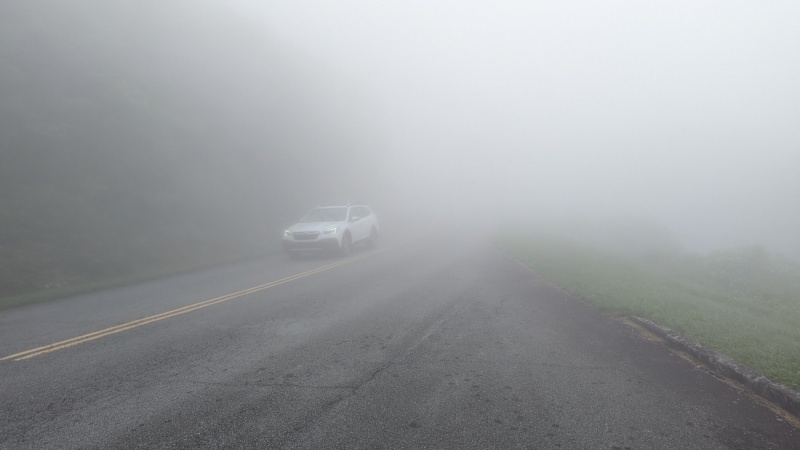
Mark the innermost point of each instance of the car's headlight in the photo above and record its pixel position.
(330, 231)
(287, 233)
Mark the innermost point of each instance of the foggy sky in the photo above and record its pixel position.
(684, 112)
(687, 112)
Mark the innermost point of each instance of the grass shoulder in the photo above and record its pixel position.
(743, 303)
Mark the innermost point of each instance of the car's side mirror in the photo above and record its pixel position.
(354, 219)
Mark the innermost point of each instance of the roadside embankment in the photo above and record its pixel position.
(743, 304)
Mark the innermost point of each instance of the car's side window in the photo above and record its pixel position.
(358, 211)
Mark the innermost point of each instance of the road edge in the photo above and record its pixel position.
(777, 393)
(99, 285)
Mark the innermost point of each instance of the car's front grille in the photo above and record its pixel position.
(305, 235)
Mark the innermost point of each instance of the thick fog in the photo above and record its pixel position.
(142, 134)
(682, 113)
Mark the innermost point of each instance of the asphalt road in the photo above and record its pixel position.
(415, 345)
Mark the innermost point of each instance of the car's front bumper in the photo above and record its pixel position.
(318, 244)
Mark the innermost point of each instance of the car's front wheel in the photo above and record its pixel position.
(373, 238)
(344, 248)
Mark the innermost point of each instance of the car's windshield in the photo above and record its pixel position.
(325, 215)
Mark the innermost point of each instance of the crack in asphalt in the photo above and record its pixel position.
(432, 329)
(354, 389)
(577, 366)
(398, 361)
(259, 384)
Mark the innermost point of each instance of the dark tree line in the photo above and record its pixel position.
(143, 135)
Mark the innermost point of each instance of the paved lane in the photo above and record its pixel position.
(420, 345)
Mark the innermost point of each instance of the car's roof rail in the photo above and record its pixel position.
(325, 205)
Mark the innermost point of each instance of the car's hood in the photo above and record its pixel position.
(313, 226)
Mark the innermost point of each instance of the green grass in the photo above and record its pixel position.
(744, 304)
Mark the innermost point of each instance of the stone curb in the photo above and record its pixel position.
(779, 394)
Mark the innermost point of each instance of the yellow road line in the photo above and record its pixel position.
(175, 312)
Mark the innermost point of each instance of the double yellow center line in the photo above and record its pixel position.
(27, 354)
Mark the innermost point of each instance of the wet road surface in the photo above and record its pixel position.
(414, 345)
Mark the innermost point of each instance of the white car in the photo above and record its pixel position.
(334, 228)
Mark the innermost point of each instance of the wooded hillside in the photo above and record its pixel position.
(135, 135)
